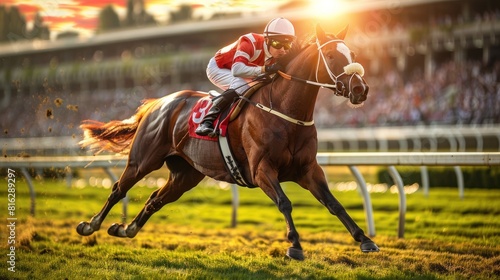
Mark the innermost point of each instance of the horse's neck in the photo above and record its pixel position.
(297, 99)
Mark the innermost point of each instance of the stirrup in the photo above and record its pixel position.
(209, 132)
(213, 134)
(204, 130)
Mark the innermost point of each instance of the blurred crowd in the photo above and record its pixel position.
(466, 93)
(457, 93)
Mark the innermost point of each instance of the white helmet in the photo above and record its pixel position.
(279, 27)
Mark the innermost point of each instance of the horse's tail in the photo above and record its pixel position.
(114, 136)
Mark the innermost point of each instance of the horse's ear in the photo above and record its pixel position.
(341, 34)
(320, 33)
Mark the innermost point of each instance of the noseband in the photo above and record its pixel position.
(351, 69)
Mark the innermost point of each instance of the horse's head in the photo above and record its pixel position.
(336, 63)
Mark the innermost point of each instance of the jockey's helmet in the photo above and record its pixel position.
(280, 27)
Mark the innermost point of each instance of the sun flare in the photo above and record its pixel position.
(325, 8)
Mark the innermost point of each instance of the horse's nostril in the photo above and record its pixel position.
(357, 90)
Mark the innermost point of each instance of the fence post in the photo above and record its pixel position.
(235, 203)
(424, 174)
(31, 187)
(124, 200)
(367, 203)
(402, 199)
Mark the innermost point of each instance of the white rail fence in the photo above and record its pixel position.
(352, 160)
(403, 139)
(411, 138)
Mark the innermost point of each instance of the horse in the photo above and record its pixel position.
(268, 148)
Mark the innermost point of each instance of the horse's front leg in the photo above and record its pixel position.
(315, 182)
(269, 183)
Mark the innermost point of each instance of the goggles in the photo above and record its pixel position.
(278, 45)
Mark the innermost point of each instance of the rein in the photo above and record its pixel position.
(290, 78)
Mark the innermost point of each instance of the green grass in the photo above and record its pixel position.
(445, 238)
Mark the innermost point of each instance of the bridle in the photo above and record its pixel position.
(338, 87)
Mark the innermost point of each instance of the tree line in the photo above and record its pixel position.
(13, 25)
(109, 19)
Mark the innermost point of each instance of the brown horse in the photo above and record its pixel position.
(268, 148)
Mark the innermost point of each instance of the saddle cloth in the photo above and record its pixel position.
(198, 113)
(221, 123)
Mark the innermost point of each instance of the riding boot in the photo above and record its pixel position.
(220, 103)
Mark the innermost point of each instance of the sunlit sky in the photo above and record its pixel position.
(81, 15)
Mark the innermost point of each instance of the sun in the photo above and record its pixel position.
(325, 8)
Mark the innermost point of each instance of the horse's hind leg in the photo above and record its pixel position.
(316, 183)
(147, 153)
(183, 177)
(130, 176)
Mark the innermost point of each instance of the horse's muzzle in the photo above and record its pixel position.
(358, 93)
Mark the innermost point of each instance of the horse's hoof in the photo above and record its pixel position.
(295, 254)
(84, 229)
(369, 247)
(117, 230)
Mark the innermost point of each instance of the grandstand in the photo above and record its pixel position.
(428, 63)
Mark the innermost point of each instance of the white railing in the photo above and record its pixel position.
(405, 139)
(411, 138)
(390, 159)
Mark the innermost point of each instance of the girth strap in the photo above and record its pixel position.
(230, 162)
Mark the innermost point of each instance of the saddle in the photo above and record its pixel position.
(222, 122)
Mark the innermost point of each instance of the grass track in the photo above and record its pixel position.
(446, 238)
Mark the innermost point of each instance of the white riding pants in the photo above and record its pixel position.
(224, 79)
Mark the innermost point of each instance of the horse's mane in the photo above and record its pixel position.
(298, 46)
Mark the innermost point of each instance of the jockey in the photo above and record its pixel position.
(233, 67)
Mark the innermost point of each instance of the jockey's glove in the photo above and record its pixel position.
(273, 68)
